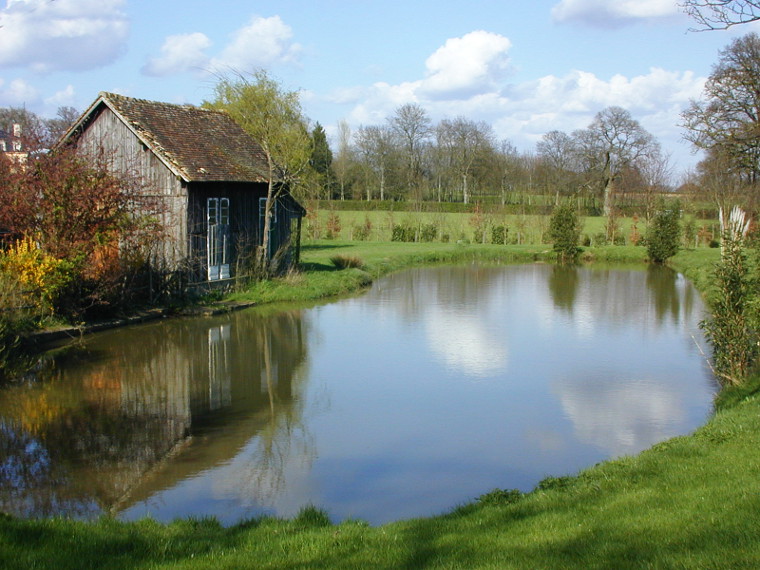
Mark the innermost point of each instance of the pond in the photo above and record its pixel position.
(434, 387)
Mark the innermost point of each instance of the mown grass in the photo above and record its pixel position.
(689, 502)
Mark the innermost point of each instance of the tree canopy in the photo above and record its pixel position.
(726, 122)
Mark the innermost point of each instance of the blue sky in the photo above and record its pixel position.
(524, 67)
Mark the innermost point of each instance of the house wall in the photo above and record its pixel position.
(128, 156)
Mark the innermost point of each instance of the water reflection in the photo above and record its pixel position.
(563, 285)
(436, 386)
(93, 430)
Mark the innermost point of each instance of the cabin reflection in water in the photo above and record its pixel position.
(98, 439)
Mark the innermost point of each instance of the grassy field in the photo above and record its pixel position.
(689, 502)
(453, 227)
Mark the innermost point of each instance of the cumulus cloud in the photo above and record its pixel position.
(263, 42)
(603, 13)
(465, 66)
(71, 35)
(183, 52)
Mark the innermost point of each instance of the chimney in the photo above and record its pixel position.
(16, 130)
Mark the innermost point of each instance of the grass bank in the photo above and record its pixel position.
(321, 278)
(689, 502)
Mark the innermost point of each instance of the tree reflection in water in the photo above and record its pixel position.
(91, 431)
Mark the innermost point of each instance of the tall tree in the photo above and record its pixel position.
(58, 125)
(273, 117)
(612, 142)
(557, 150)
(321, 157)
(726, 123)
(376, 147)
(344, 157)
(721, 14)
(656, 173)
(464, 142)
(412, 125)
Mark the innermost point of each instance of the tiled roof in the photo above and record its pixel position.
(201, 144)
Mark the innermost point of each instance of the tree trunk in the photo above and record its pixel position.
(263, 257)
(609, 198)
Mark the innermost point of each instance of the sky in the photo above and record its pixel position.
(524, 67)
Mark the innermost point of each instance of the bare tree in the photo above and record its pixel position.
(656, 173)
(464, 142)
(727, 122)
(612, 143)
(376, 147)
(721, 14)
(57, 126)
(413, 127)
(557, 151)
(343, 157)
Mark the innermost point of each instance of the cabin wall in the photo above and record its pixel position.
(244, 214)
(108, 135)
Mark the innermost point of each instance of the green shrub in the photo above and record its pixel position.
(732, 329)
(499, 234)
(565, 231)
(403, 233)
(428, 232)
(664, 233)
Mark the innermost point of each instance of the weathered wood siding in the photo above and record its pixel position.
(129, 156)
(244, 213)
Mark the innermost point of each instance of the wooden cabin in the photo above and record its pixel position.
(211, 176)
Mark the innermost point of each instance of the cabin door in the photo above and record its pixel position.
(218, 243)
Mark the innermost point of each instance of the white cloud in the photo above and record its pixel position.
(182, 52)
(263, 42)
(63, 98)
(606, 13)
(17, 92)
(621, 419)
(465, 66)
(67, 35)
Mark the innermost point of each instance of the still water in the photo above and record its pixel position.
(436, 386)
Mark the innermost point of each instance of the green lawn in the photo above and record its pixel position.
(689, 502)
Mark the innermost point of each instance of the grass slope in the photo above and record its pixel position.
(689, 502)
